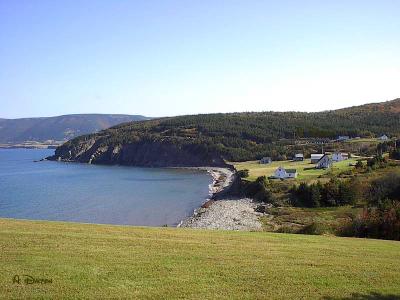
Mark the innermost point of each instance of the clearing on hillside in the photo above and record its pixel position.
(306, 170)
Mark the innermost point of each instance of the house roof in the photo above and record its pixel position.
(325, 155)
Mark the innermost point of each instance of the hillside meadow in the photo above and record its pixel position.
(103, 261)
(306, 170)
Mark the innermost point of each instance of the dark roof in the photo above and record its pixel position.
(325, 155)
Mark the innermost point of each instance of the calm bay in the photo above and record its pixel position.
(96, 194)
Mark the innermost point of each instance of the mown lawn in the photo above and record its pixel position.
(102, 261)
(306, 170)
(364, 140)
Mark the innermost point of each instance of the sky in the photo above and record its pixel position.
(166, 58)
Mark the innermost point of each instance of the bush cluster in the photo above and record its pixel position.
(258, 190)
(381, 218)
(333, 193)
(374, 222)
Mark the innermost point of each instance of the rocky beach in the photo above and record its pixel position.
(226, 213)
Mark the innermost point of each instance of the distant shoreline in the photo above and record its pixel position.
(33, 145)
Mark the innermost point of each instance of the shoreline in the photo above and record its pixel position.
(30, 146)
(220, 211)
(221, 179)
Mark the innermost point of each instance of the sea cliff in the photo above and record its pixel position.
(141, 153)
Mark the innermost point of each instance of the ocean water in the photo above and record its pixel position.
(96, 194)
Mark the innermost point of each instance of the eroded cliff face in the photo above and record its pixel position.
(142, 153)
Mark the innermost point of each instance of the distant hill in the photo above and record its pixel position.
(209, 139)
(60, 128)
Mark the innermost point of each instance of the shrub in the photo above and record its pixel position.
(287, 229)
(314, 228)
(380, 223)
(243, 173)
(387, 187)
(258, 190)
(395, 154)
(333, 193)
(359, 165)
(376, 162)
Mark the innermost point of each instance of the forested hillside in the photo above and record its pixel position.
(234, 136)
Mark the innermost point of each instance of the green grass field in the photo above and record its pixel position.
(304, 168)
(364, 140)
(102, 262)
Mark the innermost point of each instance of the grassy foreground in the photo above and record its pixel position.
(101, 261)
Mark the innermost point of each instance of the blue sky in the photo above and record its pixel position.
(164, 58)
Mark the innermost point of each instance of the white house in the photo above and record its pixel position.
(316, 157)
(283, 173)
(343, 138)
(324, 163)
(265, 160)
(384, 137)
(338, 156)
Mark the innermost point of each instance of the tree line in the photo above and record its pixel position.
(249, 136)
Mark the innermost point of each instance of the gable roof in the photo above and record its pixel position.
(323, 157)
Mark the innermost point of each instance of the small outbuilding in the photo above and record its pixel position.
(338, 156)
(343, 138)
(265, 160)
(384, 137)
(298, 157)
